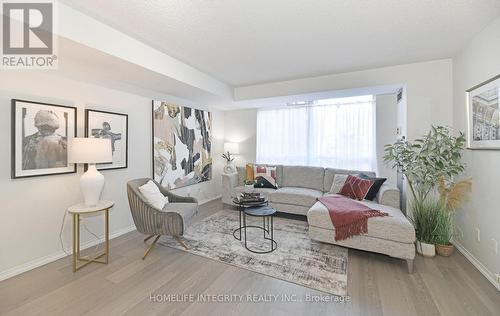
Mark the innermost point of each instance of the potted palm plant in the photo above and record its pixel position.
(424, 162)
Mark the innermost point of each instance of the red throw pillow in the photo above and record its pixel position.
(356, 188)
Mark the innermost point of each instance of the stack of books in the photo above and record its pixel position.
(251, 197)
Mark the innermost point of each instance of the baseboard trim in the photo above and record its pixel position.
(9, 273)
(205, 201)
(476, 263)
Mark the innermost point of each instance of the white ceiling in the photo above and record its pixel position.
(244, 42)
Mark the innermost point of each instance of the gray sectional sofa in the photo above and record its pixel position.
(297, 193)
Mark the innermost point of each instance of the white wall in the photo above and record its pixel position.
(32, 209)
(240, 126)
(387, 113)
(479, 61)
(428, 90)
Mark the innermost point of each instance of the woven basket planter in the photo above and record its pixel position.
(445, 250)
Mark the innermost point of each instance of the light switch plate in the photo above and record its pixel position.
(494, 245)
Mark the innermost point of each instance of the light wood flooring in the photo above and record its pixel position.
(377, 285)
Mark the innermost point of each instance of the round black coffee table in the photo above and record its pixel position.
(242, 205)
(267, 214)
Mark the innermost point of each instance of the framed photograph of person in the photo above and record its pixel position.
(113, 126)
(40, 137)
(483, 115)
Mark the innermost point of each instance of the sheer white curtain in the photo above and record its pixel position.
(282, 136)
(335, 133)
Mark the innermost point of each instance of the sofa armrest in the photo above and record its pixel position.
(388, 195)
(229, 182)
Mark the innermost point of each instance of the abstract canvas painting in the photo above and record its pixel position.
(484, 115)
(112, 126)
(40, 138)
(182, 141)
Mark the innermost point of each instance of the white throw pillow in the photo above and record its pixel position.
(338, 183)
(153, 196)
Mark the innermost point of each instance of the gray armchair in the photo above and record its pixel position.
(172, 220)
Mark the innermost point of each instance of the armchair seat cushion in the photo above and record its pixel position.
(186, 210)
(295, 196)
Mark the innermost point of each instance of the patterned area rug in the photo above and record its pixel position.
(298, 259)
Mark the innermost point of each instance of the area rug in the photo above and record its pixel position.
(297, 259)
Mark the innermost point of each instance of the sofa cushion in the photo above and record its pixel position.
(356, 188)
(265, 177)
(395, 227)
(330, 174)
(250, 176)
(295, 196)
(377, 184)
(303, 177)
(242, 173)
(338, 183)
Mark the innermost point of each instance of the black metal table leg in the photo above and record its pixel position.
(260, 209)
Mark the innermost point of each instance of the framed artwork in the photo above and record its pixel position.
(483, 115)
(112, 126)
(40, 137)
(182, 145)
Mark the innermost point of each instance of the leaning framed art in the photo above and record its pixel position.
(40, 138)
(182, 145)
(112, 126)
(483, 115)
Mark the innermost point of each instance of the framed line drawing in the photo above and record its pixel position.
(40, 138)
(112, 126)
(483, 115)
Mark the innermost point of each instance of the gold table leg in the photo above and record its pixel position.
(76, 243)
(77, 237)
(75, 225)
(106, 233)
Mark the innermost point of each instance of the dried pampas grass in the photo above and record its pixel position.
(454, 194)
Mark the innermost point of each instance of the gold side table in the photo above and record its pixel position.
(76, 211)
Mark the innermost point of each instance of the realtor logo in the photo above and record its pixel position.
(28, 35)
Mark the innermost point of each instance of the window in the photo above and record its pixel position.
(335, 133)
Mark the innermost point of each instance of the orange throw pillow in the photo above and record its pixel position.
(250, 174)
(356, 188)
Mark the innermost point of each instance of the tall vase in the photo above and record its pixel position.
(229, 167)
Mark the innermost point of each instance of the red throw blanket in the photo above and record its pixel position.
(349, 217)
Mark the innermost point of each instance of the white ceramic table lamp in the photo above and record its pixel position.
(90, 151)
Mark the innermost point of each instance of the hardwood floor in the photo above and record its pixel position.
(378, 285)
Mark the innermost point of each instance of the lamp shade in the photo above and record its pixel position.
(232, 148)
(90, 150)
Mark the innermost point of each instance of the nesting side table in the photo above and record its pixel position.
(76, 211)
